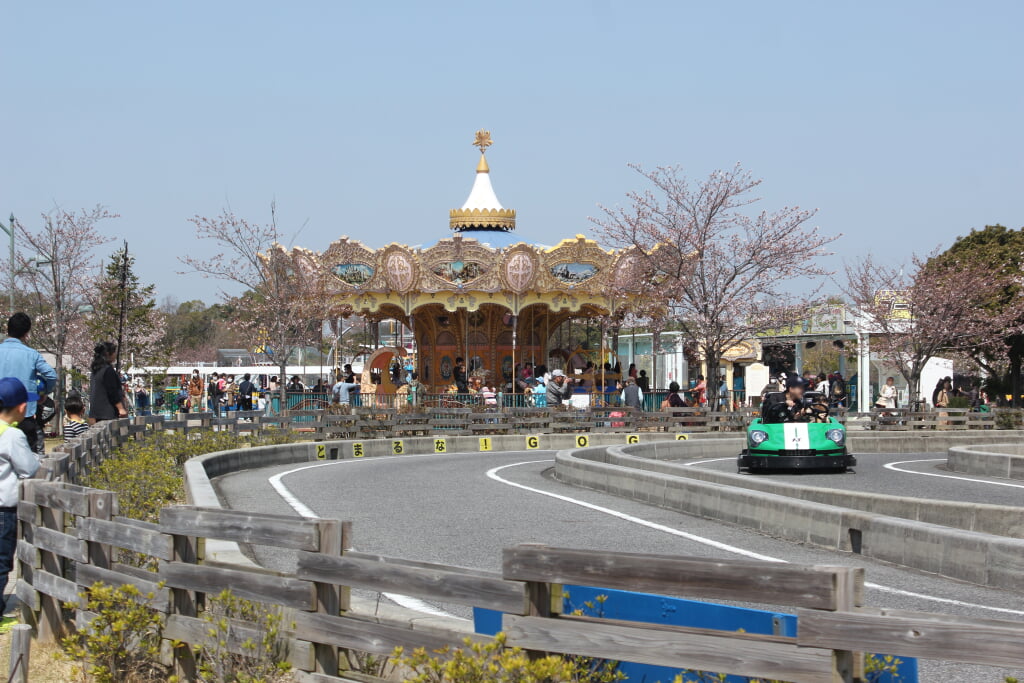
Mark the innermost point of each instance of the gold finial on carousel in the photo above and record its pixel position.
(483, 141)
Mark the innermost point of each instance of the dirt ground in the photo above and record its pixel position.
(46, 663)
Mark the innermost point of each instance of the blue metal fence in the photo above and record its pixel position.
(658, 609)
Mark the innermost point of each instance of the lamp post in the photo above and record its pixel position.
(9, 229)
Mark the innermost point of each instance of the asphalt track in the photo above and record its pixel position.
(908, 475)
(462, 509)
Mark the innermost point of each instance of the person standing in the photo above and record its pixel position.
(17, 461)
(460, 377)
(887, 395)
(17, 359)
(700, 392)
(75, 423)
(195, 392)
(837, 390)
(643, 381)
(632, 395)
(245, 389)
(341, 392)
(106, 397)
(559, 388)
(822, 385)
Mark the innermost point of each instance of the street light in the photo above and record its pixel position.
(9, 229)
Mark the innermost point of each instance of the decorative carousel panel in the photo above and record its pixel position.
(577, 263)
(355, 274)
(352, 263)
(460, 272)
(520, 268)
(400, 268)
(574, 273)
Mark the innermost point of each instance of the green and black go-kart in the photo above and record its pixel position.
(777, 443)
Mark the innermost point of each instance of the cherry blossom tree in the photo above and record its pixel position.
(719, 270)
(284, 302)
(57, 263)
(934, 306)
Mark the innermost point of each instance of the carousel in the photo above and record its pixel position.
(485, 296)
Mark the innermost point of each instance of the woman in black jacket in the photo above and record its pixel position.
(106, 398)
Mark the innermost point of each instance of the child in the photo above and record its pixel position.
(75, 423)
(17, 462)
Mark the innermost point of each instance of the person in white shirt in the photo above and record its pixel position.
(17, 462)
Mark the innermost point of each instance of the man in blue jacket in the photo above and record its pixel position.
(18, 359)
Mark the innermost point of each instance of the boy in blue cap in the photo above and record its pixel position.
(17, 462)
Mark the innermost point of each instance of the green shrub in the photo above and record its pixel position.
(122, 642)
(246, 643)
(145, 477)
(959, 402)
(147, 474)
(1008, 418)
(479, 662)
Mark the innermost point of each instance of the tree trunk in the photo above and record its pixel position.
(713, 359)
(282, 385)
(58, 400)
(1016, 352)
(655, 348)
(914, 390)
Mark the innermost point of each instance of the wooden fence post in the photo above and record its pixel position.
(328, 596)
(101, 506)
(51, 618)
(21, 644)
(848, 666)
(185, 603)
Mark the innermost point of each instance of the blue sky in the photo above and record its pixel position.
(900, 121)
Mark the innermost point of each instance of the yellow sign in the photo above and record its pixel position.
(397, 447)
(894, 304)
(321, 452)
(485, 443)
(532, 443)
(357, 450)
(440, 446)
(682, 437)
(632, 438)
(582, 440)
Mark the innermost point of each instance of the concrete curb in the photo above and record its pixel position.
(979, 558)
(1005, 461)
(998, 520)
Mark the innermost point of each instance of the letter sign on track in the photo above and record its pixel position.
(682, 437)
(485, 443)
(632, 438)
(582, 440)
(440, 446)
(321, 451)
(532, 443)
(397, 447)
(357, 449)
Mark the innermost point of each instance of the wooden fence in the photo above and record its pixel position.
(72, 537)
(379, 423)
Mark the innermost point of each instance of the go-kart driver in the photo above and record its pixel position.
(795, 407)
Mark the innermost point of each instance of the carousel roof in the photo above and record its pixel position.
(482, 211)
